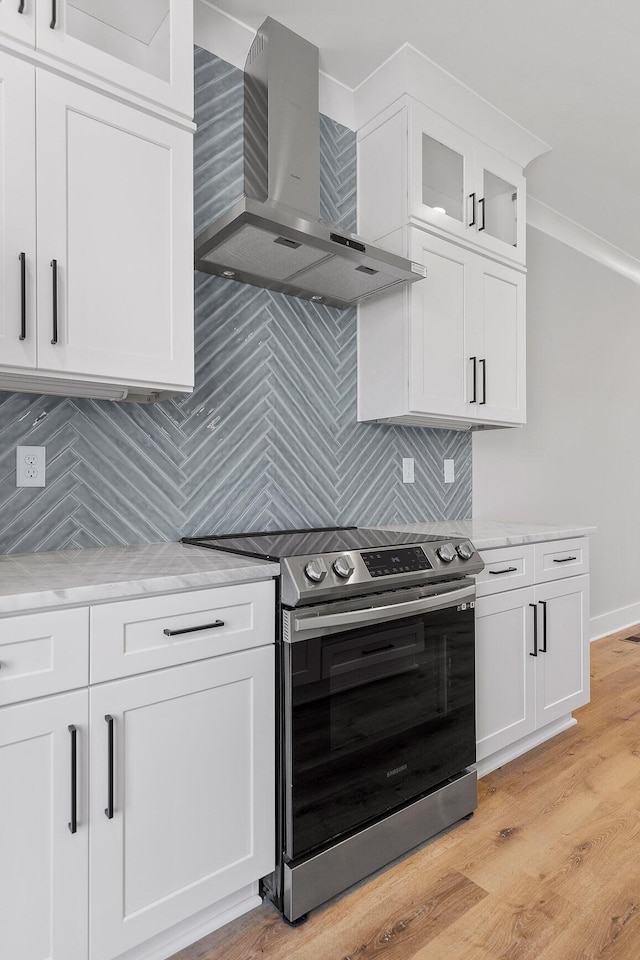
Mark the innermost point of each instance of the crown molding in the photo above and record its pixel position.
(230, 40)
(547, 220)
(408, 71)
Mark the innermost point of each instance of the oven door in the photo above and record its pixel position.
(379, 706)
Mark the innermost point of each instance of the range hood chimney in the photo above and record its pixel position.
(273, 237)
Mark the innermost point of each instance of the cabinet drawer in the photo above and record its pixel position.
(561, 558)
(506, 568)
(134, 636)
(43, 653)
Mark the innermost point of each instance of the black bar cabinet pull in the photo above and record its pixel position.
(109, 808)
(73, 823)
(483, 223)
(484, 381)
(506, 570)
(21, 7)
(474, 361)
(369, 653)
(205, 626)
(54, 287)
(565, 560)
(543, 604)
(535, 630)
(472, 197)
(23, 296)
(54, 14)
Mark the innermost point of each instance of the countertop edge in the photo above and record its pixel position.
(490, 535)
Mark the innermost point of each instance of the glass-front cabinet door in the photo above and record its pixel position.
(501, 207)
(462, 187)
(442, 173)
(145, 47)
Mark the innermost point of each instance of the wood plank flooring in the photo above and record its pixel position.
(547, 869)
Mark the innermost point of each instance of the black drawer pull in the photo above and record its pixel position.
(369, 653)
(565, 560)
(506, 570)
(535, 630)
(73, 823)
(484, 381)
(481, 201)
(54, 15)
(23, 296)
(205, 626)
(472, 197)
(21, 7)
(109, 807)
(474, 361)
(543, 604)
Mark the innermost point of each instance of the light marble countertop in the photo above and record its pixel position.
(32, 581)
(486, 534)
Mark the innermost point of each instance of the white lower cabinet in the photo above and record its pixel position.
(135, 810)
(532, 657)
(43, 852)
(191, 777)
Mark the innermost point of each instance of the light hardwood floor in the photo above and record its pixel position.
(547, 869)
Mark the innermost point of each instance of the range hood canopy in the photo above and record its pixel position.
(273, 237)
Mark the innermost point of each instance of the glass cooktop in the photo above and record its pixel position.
(278, 544)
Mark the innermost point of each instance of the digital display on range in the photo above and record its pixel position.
(383, 563)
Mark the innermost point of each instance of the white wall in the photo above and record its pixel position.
(578, 458)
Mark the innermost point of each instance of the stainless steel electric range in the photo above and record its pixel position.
(376, 699)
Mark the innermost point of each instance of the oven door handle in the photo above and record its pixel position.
(388, 612)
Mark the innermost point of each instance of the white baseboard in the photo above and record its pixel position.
(189, 931)
(614, 620)
(523, 746)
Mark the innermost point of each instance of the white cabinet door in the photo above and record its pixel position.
(17, 212)
(193, 789)
(442, 189)
(501, 220)
(505, 674)
(115, 238)
(43, 878)
(17, 20)
(500, 322)
(145, 47)
(441, 328)
(562, 682)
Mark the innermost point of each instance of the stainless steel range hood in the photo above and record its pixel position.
(274, 237)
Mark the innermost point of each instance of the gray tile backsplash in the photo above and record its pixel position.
(269, 438)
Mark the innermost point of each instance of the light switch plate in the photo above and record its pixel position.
(30, 466)
(449, 471)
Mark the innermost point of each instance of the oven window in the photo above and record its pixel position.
(378, 716)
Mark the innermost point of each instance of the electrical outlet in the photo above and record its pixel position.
(449, 471)
(407, 470)
(30, 466)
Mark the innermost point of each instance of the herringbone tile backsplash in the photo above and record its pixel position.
(268, 439)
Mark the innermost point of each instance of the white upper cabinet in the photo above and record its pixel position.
(115, 272)
(448, 351)
(17, 211)
(97, 274)
(17, 20)
(437, 175)
(144, 47)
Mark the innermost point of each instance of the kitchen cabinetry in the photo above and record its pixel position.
(450, 349)
(416, 166)
(532, 647)
(145, 48)
(112, 307)
(178, 764)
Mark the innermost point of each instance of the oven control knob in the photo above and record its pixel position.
(343, 567)
(316, 570)
(464, 551)
(446, 553)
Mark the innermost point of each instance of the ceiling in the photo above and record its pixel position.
(568, 70)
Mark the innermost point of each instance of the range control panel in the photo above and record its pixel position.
(333, 575)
